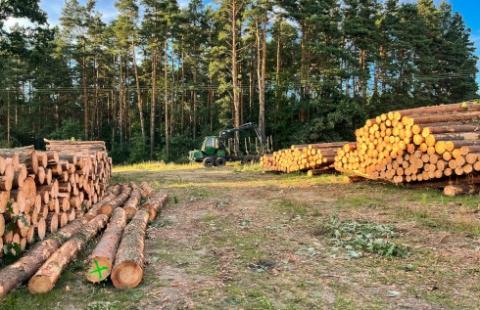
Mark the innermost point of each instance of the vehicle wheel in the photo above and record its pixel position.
(208, 162)
(220, 161)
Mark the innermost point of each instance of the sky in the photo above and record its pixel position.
(469, 9)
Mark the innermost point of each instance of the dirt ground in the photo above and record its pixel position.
(240, 239)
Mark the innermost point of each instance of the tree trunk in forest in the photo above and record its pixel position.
(129, 261)
(236, 90)
(101, 260)
(278, 63)
(194, 100)
(121, 106)
(85, 98)
(8, 118)
(139, 94)
(153, 104)
(261, 39)
(165, 98)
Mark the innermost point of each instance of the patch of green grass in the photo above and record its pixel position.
(290, 207)
(249, 167)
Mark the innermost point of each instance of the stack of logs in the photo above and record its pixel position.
(302, 157)
(422, 144)
(119, 253)
(42, 191)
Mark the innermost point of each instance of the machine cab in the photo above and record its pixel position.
(210, 145)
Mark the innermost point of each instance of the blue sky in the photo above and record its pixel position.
(469, 9)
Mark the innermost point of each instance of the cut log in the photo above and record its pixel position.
(45, 278)
(154, 204)
(459, 189)
(13, 275)
(131, 205)
(102, 258)
(129, 261)
(116, 202)
(6, 180)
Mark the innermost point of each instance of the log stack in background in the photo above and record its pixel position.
(302, 157)
(422, 144)
(42, 191)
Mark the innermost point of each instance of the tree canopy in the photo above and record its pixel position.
(159, 77)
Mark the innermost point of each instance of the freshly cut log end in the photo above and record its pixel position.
(46, 277)
(127, 275)
(128, 269)
(103, 255)
(42, 284)
(99, 269)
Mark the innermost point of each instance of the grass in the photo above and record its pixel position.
(238, 238)
(155, 166)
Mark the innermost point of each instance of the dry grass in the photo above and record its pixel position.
(234, 238)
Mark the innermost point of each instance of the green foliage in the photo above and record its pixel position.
(358, 238)
(70, 129)
(330, 65)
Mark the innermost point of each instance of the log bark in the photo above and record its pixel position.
(45, 278)
(129, 261)
(102, 258)
(116, 202)
(131, 205)
(154, 204)
(13, 275)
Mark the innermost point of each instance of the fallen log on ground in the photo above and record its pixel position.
(102, 258)
(129, 261)
(154, 204)
(13, 275)
(45, 278)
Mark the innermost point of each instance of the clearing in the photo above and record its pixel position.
(236, 238)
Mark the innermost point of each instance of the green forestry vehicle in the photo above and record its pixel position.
(214, 152)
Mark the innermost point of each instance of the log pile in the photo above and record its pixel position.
(302, 157)
(118, 254)
(42, 191)
(416, 145)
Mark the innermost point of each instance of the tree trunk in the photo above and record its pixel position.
(101, 260)
(8, 118)
(129, 261)
(261, 72)
(234, 60)
(165, 99)
(278, 62)
(153, 104)
(85, 98)
(139, 94)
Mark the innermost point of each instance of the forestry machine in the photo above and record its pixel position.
(214, 151)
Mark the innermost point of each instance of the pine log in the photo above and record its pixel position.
(154, 204)
(108, 207)
(131, 205)
(13, 275)
(45, 278)
(102, 258)
(129, 261)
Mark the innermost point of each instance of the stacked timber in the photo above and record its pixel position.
(42, 191)
(422, 144)
(302, 157)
